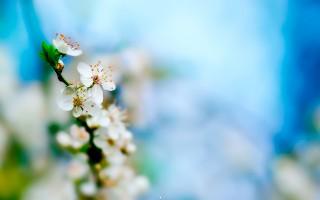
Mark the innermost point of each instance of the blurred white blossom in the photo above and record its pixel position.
(292, 180)
(99, 119)
(53, 186)
(78, 168)
(123, 184)
(26, 114)
(77, 138)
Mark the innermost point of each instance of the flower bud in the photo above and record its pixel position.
(60, 65)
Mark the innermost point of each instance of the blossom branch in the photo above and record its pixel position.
(102, 140)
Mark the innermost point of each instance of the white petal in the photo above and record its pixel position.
(56, 42)
(100, 132)
(109, 85)
(99, 119)
(90, 108)
(113, 132)
(76, 144)
(82, 135)
(77, 169)
(104, 121)
(86, 81)
(61, 46)
(91, 122)
(100, 142)
(74, 130)
(84, 69)
(63, 139)
(74, 52)
(65, 101)
(100, 67)
(127, 135)
(68, 91)
(141, 184)
(131, 148)
(77, 112)
(88, 188)
(96, 94)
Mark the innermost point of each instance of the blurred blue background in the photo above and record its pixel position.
(240, 109)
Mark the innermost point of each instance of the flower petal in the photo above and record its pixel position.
(100, 142)
(73, 130)
(88, 188)
(109, 85)
(81, 135)
(65, 100)
(77, 112)
(84, 69)
(86, 81)
(96, 94)
(113, 132)
(131, 148)
(74, 52)
(104, 119)
(90, 108)
(61, 46)
(63, 139)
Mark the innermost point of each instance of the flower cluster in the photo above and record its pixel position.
(99, 141)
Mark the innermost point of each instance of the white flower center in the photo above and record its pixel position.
(96, 79)
(77, 101)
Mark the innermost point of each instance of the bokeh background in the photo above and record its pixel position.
(229, 111)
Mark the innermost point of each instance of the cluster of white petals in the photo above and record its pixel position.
(77, 99)
(77, 138)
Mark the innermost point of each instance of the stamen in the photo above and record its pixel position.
(96, 79)
(77, 101)
(68, 41)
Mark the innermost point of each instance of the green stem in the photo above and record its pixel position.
(60, 76)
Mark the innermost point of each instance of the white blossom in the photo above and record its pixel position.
(292, 180)
(113, 144)
(52, 186)
(66, 46)
(77, 138)
(100, 119)
(76, 98)
(104, 141)
(117, 119)
(88, 188)
(96, 77)
(116, 125)
(124, 184)
(78, 168)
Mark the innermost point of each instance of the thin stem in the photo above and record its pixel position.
(61, 78)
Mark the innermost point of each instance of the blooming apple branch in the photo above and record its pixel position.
(100, 143)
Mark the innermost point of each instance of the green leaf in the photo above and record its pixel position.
(50, 54)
